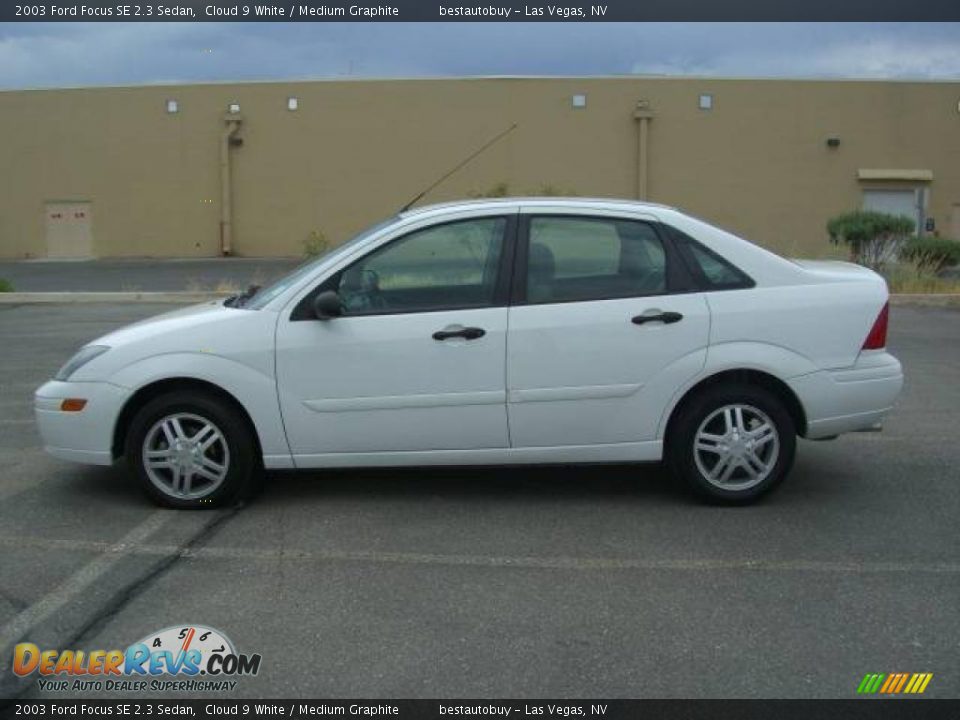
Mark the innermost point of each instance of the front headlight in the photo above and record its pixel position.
(85, 355)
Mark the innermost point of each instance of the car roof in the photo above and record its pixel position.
(513, 202)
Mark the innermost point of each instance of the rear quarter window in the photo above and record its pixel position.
(711, 271)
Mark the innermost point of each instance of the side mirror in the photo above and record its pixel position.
(327, 305)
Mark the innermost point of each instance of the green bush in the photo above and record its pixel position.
(908, 277)
(315, 244)
(5, 285)
(550, 190)
(502, 189)
(873, 238)
(931, 254)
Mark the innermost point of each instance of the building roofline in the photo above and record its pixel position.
(626, 77)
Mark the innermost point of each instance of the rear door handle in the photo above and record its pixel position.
(667, 318)
(458, 331)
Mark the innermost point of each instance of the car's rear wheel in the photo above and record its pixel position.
(732, 444)
(192, 451)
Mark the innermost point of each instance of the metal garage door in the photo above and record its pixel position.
(69, 229)
(895, 202)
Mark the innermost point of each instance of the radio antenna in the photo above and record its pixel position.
(487, 144)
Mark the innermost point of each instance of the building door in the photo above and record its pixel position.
(69, 229)
(905, 202)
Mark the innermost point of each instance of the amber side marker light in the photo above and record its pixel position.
(73, 404)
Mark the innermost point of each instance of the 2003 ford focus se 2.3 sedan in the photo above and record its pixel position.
(493, 332)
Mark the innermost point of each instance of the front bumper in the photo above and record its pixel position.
(85, 436)
(852, 399)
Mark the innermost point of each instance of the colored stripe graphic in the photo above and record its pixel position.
(870, 683)
(903, 679)
(918, 683)
(894, 683)
(895, 686)
(892, 679)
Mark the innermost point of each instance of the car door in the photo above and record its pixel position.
(606, 325)
(416, 361)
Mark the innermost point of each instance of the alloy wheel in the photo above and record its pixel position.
(186, 456)
(736, 447)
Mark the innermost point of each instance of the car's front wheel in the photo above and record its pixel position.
(732, 444)
(192, 451)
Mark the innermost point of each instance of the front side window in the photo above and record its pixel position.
(454, 265)
(265, 295)
(572, 258)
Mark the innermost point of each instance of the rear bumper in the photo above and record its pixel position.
(852, 399)
(84, 436)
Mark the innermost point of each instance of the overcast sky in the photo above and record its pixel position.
(67, 54)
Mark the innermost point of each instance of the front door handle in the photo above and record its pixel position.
(458, 331)
(667, 318)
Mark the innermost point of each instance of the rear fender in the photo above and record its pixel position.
(826, 322)
(779, 362)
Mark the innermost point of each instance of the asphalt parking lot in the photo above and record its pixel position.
(144, 274)
(544, 582)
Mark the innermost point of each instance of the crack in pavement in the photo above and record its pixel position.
(130, 592)
(33, 617)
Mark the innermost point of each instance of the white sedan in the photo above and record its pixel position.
(493, 332)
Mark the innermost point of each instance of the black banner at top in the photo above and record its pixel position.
(480, 11)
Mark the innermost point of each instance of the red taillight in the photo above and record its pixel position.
(877, 339)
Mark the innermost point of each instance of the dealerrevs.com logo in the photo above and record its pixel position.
(187, 658)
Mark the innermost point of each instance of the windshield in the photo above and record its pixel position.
(265, 295)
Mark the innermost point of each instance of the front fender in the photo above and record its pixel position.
(253, 389)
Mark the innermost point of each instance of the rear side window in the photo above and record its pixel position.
(570, 259)
(711, 270)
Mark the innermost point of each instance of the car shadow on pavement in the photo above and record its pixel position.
(100, 484)
(647, 483)
(553, 482)
(111, 486)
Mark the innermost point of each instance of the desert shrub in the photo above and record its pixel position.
(907, 277)
(502, 189)
(315, 244)
(499, 190)
(551, 190)
(873, 238)
(931, 254)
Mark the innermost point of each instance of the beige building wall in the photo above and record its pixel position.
(355, 151)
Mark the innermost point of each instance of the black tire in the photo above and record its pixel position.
(740, 488)
(243, 464)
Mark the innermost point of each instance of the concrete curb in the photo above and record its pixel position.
(30, 298)
(189, 296)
